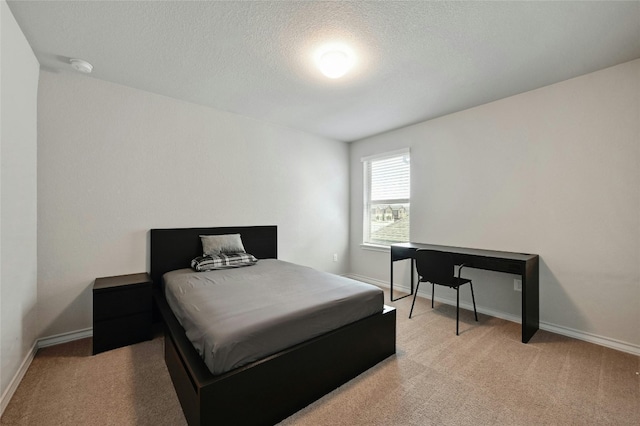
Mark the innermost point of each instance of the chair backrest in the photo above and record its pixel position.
(434, 266)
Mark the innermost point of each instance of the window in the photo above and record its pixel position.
(386, 198)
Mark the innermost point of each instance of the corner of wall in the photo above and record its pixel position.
(19, 71)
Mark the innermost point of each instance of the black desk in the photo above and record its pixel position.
(525, 265)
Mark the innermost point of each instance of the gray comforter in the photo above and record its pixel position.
(236, 316)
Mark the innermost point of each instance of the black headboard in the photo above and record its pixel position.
(175, 248)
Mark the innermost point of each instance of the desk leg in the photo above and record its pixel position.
(530, 300)
(391, 279)
(391, 282)
(413, 268)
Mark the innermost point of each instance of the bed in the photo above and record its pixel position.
(272, 388)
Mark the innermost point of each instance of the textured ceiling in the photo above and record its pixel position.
(415, 60)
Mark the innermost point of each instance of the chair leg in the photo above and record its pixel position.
(474, 301)
(457, 308)
(432, 293)
(414, 299)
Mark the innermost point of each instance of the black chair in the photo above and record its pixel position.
(437, 267)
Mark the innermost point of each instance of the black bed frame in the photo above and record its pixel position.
(271, 389)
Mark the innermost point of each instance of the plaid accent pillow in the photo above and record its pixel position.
(222, 261)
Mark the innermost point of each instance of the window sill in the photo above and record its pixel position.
(374, 247)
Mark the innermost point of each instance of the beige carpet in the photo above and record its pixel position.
(485, 376)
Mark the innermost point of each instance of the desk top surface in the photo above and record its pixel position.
(469, 251)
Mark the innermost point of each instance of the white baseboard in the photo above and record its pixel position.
(57, 339)
(553, 328)
(39, 343)
(17, 378)
(591, 338)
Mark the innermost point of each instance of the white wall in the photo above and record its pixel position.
(114, 162)
(555, 171)
(18, 243)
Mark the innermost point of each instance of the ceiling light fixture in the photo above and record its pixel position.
(335, 60)
(80, 65)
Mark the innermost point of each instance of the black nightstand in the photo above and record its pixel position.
(122, 311)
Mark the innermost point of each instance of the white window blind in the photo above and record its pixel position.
(387, 191)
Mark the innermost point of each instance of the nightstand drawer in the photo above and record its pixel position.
(123, 331)
(121, 301)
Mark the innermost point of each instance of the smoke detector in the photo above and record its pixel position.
(81, 65)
